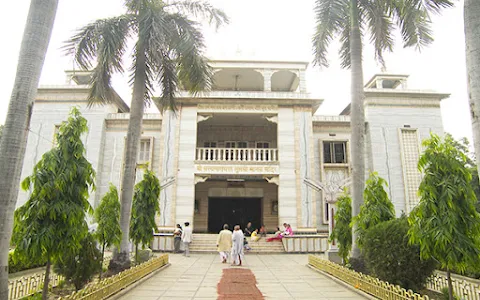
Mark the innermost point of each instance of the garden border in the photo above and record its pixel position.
(370, 285)
(112, 285)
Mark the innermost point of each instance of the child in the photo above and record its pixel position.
(263, 231)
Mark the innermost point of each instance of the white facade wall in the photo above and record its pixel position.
(384, 123)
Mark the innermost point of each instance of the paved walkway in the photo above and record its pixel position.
(278, 277)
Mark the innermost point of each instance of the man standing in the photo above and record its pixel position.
(187, 238)
(237, 247)
(224, 243)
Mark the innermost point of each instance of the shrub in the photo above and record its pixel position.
(445, 295)
(389, 256)
(357, 264)
(17, 264)
(79, 268)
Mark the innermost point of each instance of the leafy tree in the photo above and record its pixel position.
(168, 51)
(80, 266)
(350, 20)
(145, 206)
(52, 222)
(1, 131)
(36, 37)
(107, 215)
(377, 207)
(445, 223)
(390, 257)
(342, 232)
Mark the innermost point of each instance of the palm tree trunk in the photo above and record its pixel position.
(357, 113)
(450, 286)
(46, 281)
(472, 49)
(121, 260)
(36, 37)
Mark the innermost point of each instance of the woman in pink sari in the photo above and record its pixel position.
(279, 236)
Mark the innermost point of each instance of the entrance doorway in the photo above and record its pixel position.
(233, 211)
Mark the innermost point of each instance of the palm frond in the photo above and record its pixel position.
(345, 50)
(188, 46)
(201, 10)
(414, 21)
(330, 17)
(435, 6)
(169, 83)
(103, 41)
(378, 18)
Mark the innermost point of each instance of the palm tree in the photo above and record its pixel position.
(36, 37)
(350, 20)
(168, 51)
(472, 49)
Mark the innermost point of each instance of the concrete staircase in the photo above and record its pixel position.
(207, 243)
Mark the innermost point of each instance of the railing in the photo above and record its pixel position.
(112, 285)
(237, 154)
(462, 288)
(365, 283)
(29, 285)
(313, 243)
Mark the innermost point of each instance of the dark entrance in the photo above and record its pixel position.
(233, 211)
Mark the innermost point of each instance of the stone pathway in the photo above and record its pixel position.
(278, 277)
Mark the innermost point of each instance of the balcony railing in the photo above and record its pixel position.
(237, 154)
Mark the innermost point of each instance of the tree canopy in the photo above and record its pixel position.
(145, 206)
(445, 223)
(53, 220)
(377, 207)
(342, 231)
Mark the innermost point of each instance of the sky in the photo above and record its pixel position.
(265, 30)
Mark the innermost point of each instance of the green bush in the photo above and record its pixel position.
(17, 264)
(389, 256)
(79, 268)
(445, 295)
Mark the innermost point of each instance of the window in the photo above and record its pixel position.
(210, 144)
(242, 145)
(264, 145)
(335, 152)
(144, 151)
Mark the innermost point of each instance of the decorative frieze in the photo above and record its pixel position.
(237, 108)
(222, 169)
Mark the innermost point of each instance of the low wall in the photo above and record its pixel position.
(28, 285)
(309, 243)
(163, 242)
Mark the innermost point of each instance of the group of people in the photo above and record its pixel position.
(182, 235)
(229, 242)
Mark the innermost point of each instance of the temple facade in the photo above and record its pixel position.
(251, 149)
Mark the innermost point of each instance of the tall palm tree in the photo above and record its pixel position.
(36, 37)
(168, 51)
(351, 20)
(472, 49)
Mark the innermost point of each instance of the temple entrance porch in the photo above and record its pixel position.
(233, 200)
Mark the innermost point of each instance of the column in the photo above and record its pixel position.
(303, 81)
(185, 192)
(287, 194)
(267, 80)
(168, 170)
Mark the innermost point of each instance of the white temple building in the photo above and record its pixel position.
(246, 150)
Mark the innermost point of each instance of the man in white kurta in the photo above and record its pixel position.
(224, 243)
(237, 246)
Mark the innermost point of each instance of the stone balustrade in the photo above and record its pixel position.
(237, 154)
(308, 243)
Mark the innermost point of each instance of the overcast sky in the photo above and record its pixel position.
(270, 30)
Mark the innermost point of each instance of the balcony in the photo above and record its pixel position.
(237, 154)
